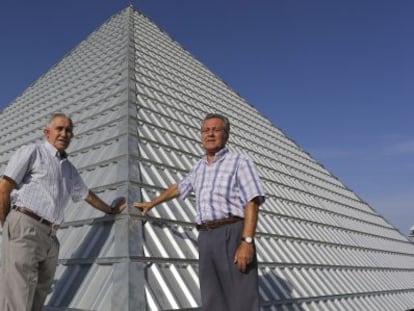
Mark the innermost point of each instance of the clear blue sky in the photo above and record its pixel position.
(335, 76)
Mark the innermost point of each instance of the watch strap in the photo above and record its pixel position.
(247, 239)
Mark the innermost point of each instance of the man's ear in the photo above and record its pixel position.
(46, 131)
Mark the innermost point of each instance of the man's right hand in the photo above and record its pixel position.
(170, 193)
(144, 207)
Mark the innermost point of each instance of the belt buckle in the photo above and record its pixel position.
(53, 229)
(50, 224)
(209, 225)
(204, 227)
(200, 227)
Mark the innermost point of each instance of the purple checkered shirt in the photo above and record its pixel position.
(222, 188)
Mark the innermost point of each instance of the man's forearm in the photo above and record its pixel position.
(4, 208)
(251, 215)
(97, 203)
(6, 187)
(170, 193)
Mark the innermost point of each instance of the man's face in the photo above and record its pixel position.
(213, 136)
(59, 133)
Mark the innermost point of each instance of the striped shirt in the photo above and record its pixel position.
(222, 188)
(44, 182)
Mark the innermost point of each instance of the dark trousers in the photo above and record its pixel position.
(223, 287)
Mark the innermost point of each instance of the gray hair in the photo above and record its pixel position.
(55, 115)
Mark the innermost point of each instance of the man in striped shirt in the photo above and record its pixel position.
(228, 194)
(35, 188)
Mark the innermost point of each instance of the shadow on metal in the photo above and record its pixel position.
(67, 286)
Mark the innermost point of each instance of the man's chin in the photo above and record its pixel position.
(62, 147)
(213, 149)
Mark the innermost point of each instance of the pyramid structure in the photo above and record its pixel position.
(137, 99)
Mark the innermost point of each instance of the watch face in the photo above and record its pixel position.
(248, 239)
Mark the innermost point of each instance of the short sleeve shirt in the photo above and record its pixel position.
(45, 183)
(224, 187)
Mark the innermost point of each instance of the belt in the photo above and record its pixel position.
(213, 224)
(29, 213)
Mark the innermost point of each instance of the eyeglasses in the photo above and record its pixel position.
(212, 129)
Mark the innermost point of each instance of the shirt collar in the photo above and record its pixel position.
(54, 152)
(219, 155)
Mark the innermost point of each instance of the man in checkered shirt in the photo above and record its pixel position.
(228, 194)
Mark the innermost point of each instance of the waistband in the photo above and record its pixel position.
(213, 224)
(33, 215)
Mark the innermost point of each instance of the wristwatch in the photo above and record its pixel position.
(247, 239)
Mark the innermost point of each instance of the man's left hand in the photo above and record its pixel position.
(118, 205)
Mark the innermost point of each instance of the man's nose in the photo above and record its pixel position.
(65, 133)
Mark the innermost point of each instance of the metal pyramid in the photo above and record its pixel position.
(137, 99)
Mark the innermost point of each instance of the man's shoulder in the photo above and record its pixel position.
(23, 154)
(198, 163)
(31, 150)
(27, 149)
(237, 156)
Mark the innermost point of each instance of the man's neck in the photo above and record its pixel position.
(210, 157)
(211, 154)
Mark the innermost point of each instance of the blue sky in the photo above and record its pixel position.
(336, 76)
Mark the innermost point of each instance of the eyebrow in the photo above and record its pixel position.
(68, 128)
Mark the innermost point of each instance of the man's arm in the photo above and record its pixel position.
(245, 252)
(6, 187)
(97, 203)
(170, 193)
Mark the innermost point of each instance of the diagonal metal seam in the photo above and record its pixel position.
(133, 273)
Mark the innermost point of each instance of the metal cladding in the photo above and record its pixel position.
(137, 99)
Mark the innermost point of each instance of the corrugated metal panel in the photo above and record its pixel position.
(137, 99)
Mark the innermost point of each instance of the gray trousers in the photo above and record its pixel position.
(28, 263)
(223, 287)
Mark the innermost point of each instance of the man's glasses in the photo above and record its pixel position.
(207, 130)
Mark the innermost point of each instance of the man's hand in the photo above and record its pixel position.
(170, 193)
(118, 205)
(144, 207)
(244, 256)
